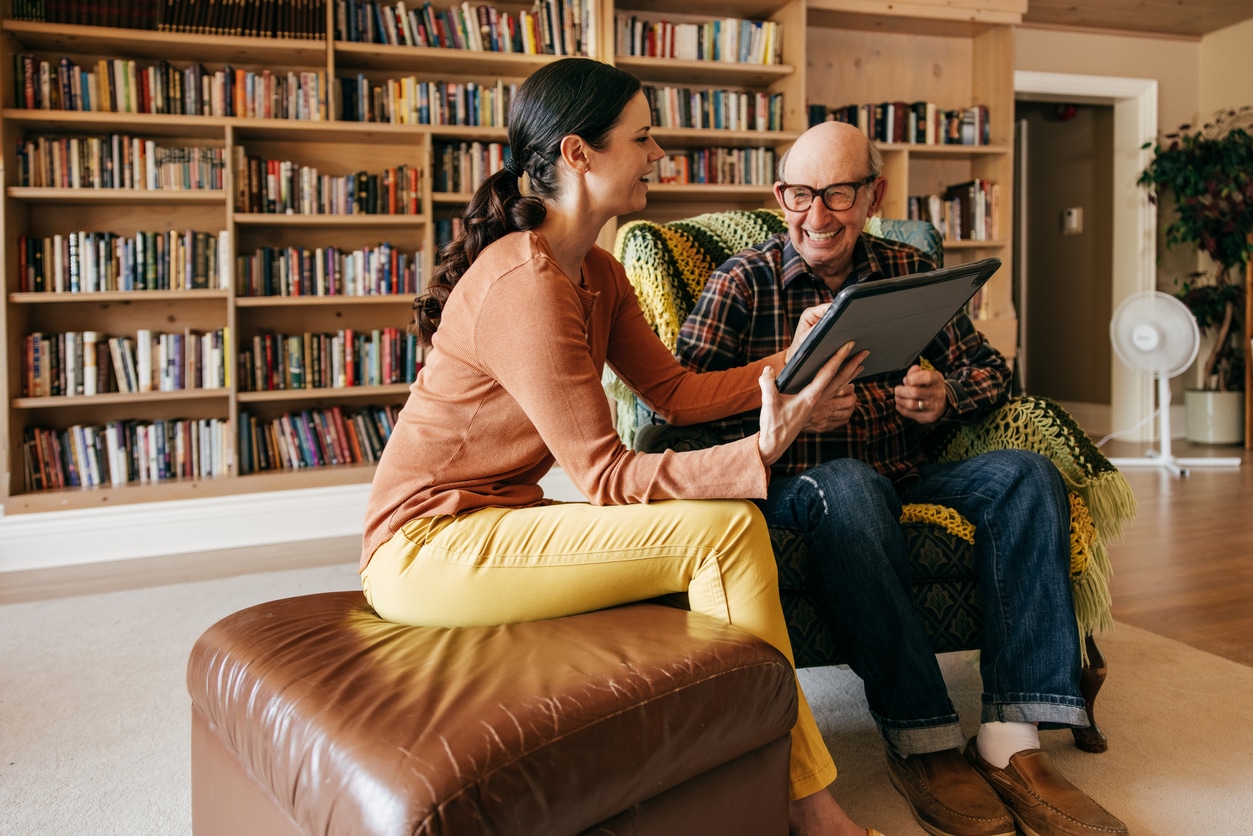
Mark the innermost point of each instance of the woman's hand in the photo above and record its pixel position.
(784, 416)
(808, 320)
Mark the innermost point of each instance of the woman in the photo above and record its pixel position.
(522, 315)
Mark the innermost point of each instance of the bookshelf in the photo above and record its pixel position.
(956, 55)
(879, 52)
(784, 79)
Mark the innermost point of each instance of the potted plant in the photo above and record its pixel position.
(1209, 172)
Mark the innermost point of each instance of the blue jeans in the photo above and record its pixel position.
(1030, 656)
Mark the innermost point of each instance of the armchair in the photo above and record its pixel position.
(668, 265)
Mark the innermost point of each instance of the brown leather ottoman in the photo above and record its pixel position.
(313, 715)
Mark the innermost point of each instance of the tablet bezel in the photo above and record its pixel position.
(961, 282)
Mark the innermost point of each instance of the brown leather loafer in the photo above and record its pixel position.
(1042, 801)
(947, 796)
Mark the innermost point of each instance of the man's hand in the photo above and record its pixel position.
(833, 413)
(783, 416)
(922, 396)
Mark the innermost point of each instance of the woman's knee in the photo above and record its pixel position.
(742, 521)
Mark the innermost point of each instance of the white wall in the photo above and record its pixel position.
(1226, 68)
(98, 535)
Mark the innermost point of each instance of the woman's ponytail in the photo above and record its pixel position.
(496, 209)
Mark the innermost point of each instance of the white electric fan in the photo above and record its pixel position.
(1155, 332)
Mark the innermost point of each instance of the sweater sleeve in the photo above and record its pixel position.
(531, 337)
(680, 395)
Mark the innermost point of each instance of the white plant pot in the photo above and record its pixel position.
(1214, 417)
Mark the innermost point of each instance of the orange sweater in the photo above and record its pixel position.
(512, 384)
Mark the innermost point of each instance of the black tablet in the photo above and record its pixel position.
(893, 318)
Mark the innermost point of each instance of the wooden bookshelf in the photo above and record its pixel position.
(933, 49)
(787, 78)
(957, 55)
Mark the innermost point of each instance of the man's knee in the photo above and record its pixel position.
(832, 489)
(1026, 468)
(845, 476)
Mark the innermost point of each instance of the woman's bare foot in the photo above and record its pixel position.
(820, 815)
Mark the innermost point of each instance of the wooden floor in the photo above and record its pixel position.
(1184, 568)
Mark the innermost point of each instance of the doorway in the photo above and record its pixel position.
(1064, 232)
(1134, 219)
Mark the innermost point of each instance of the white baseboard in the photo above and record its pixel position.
(97, 535)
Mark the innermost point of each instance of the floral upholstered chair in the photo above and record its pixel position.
(668, 265)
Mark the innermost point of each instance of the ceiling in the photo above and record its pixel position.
(1161, 17)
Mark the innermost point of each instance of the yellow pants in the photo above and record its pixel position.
(498, 565)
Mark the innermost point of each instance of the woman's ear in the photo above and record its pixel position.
(574, 152)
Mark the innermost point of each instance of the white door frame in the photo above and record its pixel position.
(1135, 218)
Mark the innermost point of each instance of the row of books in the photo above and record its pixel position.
(726, 39)
(446, 230)
(90, 262)
(461, 166)
(117, 161)
(286, 187)
(731, 166)
(64, 364)
(127, 14)
(550, 27)
(126, 452)
(252, 18)
(731, 110)
(382, 270)
(343, 359)
(968, 211)
(412, 101)
(122, 85)
(914, 123)
(314, 438)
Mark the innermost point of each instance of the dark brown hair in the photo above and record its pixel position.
(576, 96)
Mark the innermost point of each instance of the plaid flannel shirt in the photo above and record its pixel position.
(749, 309)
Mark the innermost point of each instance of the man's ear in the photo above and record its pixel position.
(778, 194)
(879, 188)
(574, 152)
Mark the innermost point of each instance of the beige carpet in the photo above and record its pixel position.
(1178, 720)
(94, 719)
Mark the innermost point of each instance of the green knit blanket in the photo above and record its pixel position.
(1101, 500)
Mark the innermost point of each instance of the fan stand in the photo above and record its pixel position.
(1164, 459)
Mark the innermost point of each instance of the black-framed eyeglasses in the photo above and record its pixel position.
(837, 197)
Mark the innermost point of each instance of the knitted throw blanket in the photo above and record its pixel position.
(670, 263)
(1101, 501)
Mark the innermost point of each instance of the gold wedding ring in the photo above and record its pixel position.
(920, 404)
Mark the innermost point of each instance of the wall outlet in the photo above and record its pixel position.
(1072, 221)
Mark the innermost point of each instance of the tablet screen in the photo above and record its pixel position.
(893, 318)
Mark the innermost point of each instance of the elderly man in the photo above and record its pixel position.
(843, 482)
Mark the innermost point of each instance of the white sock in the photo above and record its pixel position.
(1000, 741)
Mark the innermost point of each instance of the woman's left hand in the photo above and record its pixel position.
(784, 416)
